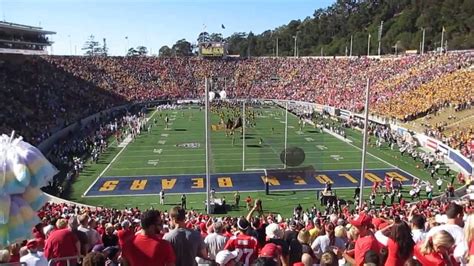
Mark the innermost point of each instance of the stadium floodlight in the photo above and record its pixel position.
(364, 144)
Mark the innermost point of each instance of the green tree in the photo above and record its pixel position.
(165, 51)
(182, 48)
(92, 47)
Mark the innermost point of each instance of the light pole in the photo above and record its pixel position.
(368, 44)
(423, 41)
(350, 50)
(380, 36)
(296, 47)
(70, 45)
(277, 47)
(127, 44)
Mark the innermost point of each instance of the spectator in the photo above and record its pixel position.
(4, 256)
(274, 235)
(436, 250)
(187, 244)
(146, 248)
(469, 236)
(33, 257)
(328, 258)
(94, 259)
(365, 242)
(243, 242)
(308, 258)
(125, 235)
(327, 241)
(81, 236)
(85, 226)
(62, 243)
(399, 242)
(109, 239)
(454, 226)
(417, 228)
(215, 241)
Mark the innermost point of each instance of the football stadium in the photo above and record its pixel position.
(345, 138)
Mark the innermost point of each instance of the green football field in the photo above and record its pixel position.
(180, 150)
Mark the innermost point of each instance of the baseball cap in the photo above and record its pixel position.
(273, 231)
(32, 244)
(224, 256)
(270, 250)
(363, 219)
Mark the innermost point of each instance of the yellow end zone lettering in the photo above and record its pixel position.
(198, 182)
(372, 177)
(138, 184)
(323, 179)
(397, 176)
(272, 181)
(109, 185)
(349, 177)
(168, 183)
(298, 180)
(224, 181)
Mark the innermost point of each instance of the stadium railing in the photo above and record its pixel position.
(13, 264)
(67, 259)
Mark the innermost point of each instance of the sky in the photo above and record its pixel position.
(150, 23)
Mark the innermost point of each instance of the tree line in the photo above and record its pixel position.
(329, 31)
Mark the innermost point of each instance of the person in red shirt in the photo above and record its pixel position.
(124, 235)
(247, 244)
(146, 248)
(62, 243)
(399, 242)
(436, 250)
(364, 243)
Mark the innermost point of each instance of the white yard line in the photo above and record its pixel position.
(113, 160)
(234, 165)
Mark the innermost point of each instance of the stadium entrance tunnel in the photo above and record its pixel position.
(279, 180)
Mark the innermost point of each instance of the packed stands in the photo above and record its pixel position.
(65, 89)
(330, 237)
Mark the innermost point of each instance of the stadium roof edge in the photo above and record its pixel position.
(21, 27)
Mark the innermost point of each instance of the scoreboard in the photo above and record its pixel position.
(212, 49)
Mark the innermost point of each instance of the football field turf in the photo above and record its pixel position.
(173, 158)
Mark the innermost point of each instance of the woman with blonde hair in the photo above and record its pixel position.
(469, 238)
(307, 257)
(436, 250)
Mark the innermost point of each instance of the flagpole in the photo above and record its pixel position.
(364, 144)
(208, 175)
(286, 131)
(243, 135)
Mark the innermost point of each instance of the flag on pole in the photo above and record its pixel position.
(222, 26)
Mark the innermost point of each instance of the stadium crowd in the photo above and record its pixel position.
(436, 232)
(47, 93)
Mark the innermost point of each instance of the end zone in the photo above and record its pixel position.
(279, 180)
